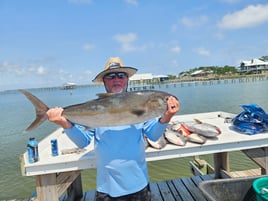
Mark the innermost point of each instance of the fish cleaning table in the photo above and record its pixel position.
(55, 175)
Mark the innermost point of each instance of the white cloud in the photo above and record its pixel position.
(202, 51)
(194, 22)
(190, 22)
(127, 40)
(250, 16)
(80, 1)
(176, 49)
(132, 2)
(88, 47)
(231, 1)
(41, 70)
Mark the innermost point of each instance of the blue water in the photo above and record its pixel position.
(17, 113)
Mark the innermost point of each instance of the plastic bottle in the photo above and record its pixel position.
(54, 147)
(32, 149)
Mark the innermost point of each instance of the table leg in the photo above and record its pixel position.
(221, 162)
(50, 187)
(46, 187)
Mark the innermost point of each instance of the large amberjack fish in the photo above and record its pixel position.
(201, 128)
(108, 110)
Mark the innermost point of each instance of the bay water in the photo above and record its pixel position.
(16, 113)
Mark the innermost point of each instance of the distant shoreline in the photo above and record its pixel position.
(142, 83)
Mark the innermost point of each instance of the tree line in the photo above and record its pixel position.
(216, 70)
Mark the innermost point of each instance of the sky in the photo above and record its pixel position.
(46, 43)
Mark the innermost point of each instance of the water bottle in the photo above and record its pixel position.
(32, 149)
(54, 147)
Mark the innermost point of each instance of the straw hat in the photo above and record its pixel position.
(114, 64)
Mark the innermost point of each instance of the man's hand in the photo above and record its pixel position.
(55, 115)
(173, 107)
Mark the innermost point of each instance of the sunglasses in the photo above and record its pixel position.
(112, 76)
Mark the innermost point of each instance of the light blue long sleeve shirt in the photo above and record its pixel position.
(120, 154)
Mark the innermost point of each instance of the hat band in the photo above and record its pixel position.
(114, 65)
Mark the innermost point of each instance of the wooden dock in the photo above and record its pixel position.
(180, 189)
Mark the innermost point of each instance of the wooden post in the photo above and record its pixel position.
(260, 157)
(75, 191)
(221, 161)
(46, 187)
(50, 187)
(264, 170)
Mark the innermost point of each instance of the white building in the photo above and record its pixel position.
(147, 78)
(254, 66)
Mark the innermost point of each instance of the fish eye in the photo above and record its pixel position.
(166, 98)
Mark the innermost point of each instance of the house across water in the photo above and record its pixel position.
(254, 66)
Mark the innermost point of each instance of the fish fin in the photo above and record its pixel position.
(103, 95)
(198, 121)
(40, 110)
(138, 112)
(184, 131)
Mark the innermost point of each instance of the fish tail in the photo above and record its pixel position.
(40, 110)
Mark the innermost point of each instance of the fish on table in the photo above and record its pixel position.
(175, 137)
(158, 144)
(190, 136)
(196, 138)
(201, 128)
(196, 131)
(108, 110)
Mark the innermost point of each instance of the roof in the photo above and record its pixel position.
(145, 76)
(254, 62)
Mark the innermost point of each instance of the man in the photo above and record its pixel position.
(121, 166)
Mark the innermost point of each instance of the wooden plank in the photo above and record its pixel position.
(260, 157)
(46, 187)
(221, 161)
(195, 191)
(65, 179)
(174, 191)
(75, 191)
(256, 171)
(182, 190)
(257, 155)
(156, 195)
(265, 171)
(207, 177)
(165, 191)
(197, 180)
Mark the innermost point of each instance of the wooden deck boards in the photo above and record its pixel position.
(245, 173)
(181, 189)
